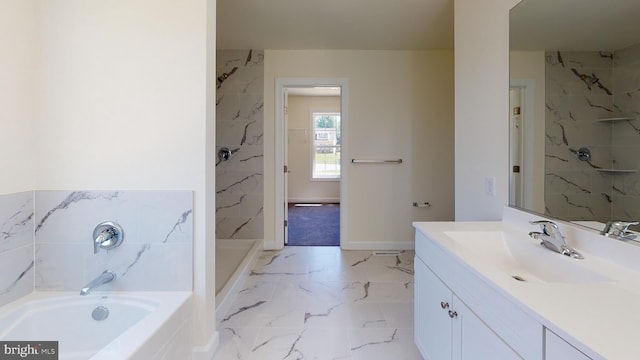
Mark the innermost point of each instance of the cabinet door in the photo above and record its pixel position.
(473, 339)
(558, 349)
(432, 324)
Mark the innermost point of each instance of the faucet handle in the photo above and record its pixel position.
(547, 227)
(619, 229)
(107, 235)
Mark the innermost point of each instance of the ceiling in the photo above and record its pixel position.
(335, 24)
(578, 25)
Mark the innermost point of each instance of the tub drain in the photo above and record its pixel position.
(518, 277)
(100, 313)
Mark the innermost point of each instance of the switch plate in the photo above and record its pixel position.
(490, 185)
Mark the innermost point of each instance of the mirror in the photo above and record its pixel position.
(575, 109)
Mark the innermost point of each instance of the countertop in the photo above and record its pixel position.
(599, 316)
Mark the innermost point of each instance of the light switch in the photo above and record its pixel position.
(490, 185)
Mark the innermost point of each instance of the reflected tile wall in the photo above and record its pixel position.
(582, 87)
(156, 253)
(626, 134)
(239, 127)
(578, 90)
(16, 246)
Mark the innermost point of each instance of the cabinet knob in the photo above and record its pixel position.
(444, 305)
(453, 314)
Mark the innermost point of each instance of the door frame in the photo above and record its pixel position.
(281, 136)
(527, 101)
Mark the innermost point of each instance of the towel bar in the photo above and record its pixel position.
(364, 161)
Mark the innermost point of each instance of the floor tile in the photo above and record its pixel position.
(322, 303)
(383, 344)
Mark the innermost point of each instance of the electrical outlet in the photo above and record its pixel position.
(490, 185)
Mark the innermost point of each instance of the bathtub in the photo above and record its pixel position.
(139, 325)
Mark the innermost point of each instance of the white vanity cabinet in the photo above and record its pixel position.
(557, 348)
(445, 328)
(458, 316)
(488, 290)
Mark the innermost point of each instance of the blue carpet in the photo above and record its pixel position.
(314, 225)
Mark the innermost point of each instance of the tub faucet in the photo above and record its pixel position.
(552, 238)
(107, 276)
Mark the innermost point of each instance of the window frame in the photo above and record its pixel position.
(313, 145)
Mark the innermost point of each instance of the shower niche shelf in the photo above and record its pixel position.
(616, 119)
(618, 171)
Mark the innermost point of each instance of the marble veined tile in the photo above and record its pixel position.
(16, 273)
(16, 220)
(156, 253)
(145, 216)
(379, 344)
(236, 343)
(301, 303)
(301, 343)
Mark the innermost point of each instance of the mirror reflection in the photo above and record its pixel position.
(575, 110)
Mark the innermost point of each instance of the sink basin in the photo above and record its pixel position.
(523, 258)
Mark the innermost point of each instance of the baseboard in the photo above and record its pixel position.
(206, 352)
(314, 200)
(378, 245)
(358, 245)
(271, 245)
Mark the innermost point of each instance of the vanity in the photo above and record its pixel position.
(487, 290)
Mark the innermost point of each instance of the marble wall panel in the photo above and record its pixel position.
(240, 127)
(578, 92)
(16, 246)
(626, 134)
(156, 253)
(582, 87)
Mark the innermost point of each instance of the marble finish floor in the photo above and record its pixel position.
(322, 303)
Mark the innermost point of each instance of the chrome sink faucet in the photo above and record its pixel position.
(552, 238)
(107, 276)
(620, 230)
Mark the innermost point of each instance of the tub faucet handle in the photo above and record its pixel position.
(107, 235)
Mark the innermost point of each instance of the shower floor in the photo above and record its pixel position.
(229, 255)
(234, 258)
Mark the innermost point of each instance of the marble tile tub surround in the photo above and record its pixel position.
(156, 254)
(16, 246)
(239, 127)
(322, 303)
(582, 87)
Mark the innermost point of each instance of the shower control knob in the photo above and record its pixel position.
(107, 235)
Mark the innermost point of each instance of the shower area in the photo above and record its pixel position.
(239, 165)
(592, 167)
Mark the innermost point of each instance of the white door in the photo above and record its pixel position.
(473, 339)
(432, 324)
(285, 150)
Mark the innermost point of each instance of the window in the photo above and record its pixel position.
(325, 147)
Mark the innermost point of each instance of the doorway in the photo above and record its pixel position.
(522, 164)
(312, 145)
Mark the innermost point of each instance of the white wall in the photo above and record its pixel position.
(113, 95)
(400, 106)
(481, 37)
(301, 188)
(530, 66)
(18, 44)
